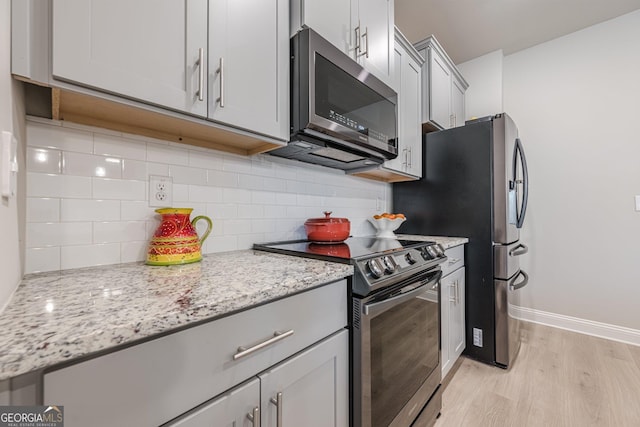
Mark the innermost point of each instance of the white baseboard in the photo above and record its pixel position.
(575, 324)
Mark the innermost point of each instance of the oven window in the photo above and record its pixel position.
(404, 352)
(345, 100)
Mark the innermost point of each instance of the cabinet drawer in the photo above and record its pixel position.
(455, 259)
(156, 381)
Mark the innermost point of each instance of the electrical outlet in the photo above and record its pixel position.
(477, 337)
(160, 191)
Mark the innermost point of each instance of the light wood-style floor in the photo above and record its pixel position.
(560, 378)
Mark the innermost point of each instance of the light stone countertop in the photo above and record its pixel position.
(446, 242)
(59, 316)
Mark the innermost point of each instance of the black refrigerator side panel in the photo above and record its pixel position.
(454, 198)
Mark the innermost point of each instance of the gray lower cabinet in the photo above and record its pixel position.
(311, 389)
(231, 409)
(452, 326)
(150, 384)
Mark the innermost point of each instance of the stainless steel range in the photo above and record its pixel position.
(394, 327)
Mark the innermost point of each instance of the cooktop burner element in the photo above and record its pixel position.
(378, 262)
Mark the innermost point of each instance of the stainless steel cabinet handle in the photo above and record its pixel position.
(277, 336)
(254, 417)
(453, 261)
(406, 159)
(278, 402)
(365, 36)
(410, 158)
(357, 34)
(452, 299)
(457, 292)
(220, 71)
(200, 64)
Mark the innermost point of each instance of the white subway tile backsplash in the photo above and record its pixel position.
(231, 195)
(42, 234)
(110, 232)
(198, 193)
(41, 135)
(89, 255)
(188, 175)
(81, 164)
(222, 210)
(223, 179)
(133, 251)
(89, 210)
(136, 170)
(204, 160)
(77, 219)
(250, 211)
(167, 154)
(136, 211)
(42, 259)
(119, 189)
(49, 185)
(43, 209)
(44, 160)
(114, 146)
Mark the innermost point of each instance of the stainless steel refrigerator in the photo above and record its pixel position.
(475, 185)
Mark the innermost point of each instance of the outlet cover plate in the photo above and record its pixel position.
(160, 191)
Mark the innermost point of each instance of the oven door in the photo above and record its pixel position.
(396, 351)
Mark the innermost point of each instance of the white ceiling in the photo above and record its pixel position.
(471, 28)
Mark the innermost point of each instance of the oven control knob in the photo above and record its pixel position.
(390, 265)
(410, 259)
(432, 251)
(425, 254)
(439, 250)
(375, 268)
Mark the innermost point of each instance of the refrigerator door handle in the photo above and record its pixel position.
(521, 249)
(518, 152)
(515, 286)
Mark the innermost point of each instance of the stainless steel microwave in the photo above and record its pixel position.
(341, 115)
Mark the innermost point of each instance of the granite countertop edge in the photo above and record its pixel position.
(446, 241)
(61, 316)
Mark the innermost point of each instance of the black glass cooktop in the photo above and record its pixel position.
(353, 248)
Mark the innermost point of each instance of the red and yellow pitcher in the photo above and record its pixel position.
(176, 240)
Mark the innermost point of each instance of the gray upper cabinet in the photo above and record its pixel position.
(361, 29)
(147, 50)
(443, 88)
(407, 82)
(248, 65)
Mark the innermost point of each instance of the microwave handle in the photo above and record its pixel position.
(378, 307)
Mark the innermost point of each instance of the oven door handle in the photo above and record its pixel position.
(412, 291)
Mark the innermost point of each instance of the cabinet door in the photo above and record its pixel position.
(376, 21)
(452, 315)
(399, 163)
(439, 91)
(231, 409)
(411, 124)
(329, 18)
(457, 103)
(310, 389)
(249, 66)
(147, 50)
(456, 316)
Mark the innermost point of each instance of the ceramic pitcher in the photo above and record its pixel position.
(176, 240)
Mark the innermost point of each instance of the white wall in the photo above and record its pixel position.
(484, 75)
(87, 195)
(576, 101)
(12, 120)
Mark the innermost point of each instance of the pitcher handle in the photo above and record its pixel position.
(209, 226)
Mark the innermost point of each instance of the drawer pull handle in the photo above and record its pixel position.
(453, 261)
(278, 402)
(277, 336)
(254, 417)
